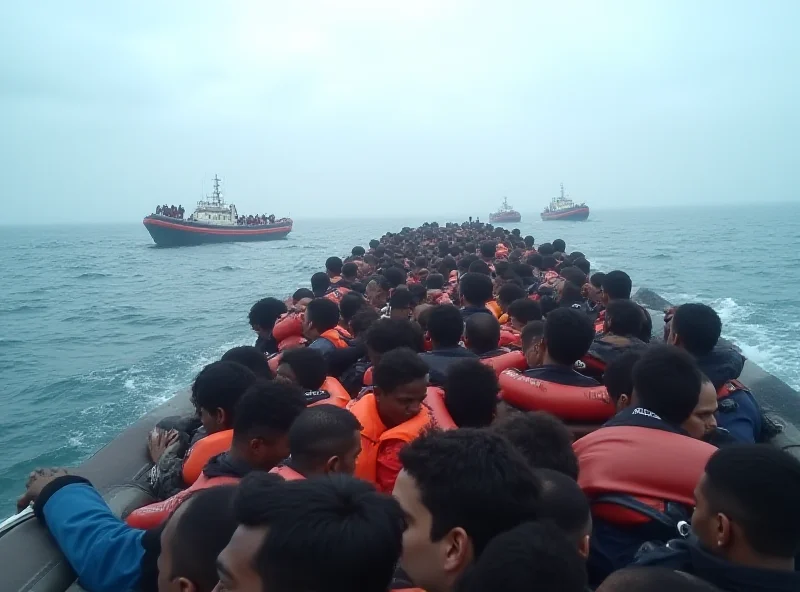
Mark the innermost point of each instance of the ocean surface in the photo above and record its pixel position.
(97, 326)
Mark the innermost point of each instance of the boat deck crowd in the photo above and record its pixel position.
(255, 220)
(454, 409)
(170, 211)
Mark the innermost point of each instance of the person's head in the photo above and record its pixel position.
(529, 241)
(568, 335)
(333, 267)
(475, 289)
(654, 579)
(363, 320)
(623, 318)
(192, 538)
(458, 490)
(263, 315)
(488, 249)
(530, 556)
(470, 393)
(548, 263)
(564, 503)
(349, 305)
(321, 315)
(445, 325)
(480, 266)
(617, 285)
(374, 244)
(594, 289)
(543, 439)
(357, 251)
(216, 391)
(331, 534)
(696, 328)
(401, 382)
(320, 283)
(535, 261)
(573, 275)
(747, 509)
(378, 288)
(400, 304)
(582, 264)
(303, 366)
(249, 357)
(618, 378)
(482, 333)
(508, 293)
(559, 246)
(395, 276)
(523, 311)
(435, 281)
(302, 294)
(264, 415)
(546, 249)
(350, 272)
(325, 439)
(385, 335)
(667, 381)
(703, 420)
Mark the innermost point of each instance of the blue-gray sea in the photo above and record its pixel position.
(97, 326)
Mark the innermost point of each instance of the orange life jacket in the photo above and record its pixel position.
(374, 433)
(577, 404)
(292, 342)
(335, 338)
(651, 466)
(503, 318)
(495, 308)
(153, 515)
(441, 417)
(288, 473)
(337, 293)
(289, 325)
(514, 359)
(203, 451)
(338, 394)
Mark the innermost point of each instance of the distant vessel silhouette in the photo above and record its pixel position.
(563, 208)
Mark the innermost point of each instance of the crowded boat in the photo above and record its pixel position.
(453, 408)
(170, 211)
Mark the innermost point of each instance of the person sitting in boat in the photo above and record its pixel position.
(359, 317)
(260, 441)
(445, 329)
(482, 336)
(617, 285)
(158, 210)
(262, 317)
(468, 399)
(323, 440)
(349, 275)
(746, 523)
(475, 290)
(400, 304)
(564, 504)
(622, 322)
(378, 289)
(632, 504)
(181, 211)
(333, 268)
(697, 328)
(391, 416)
(521, 312)
(618, 378)
(593, 292)
(320, 284)
(319, 325)
(507, 293)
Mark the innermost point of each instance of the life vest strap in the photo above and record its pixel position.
(669, 518)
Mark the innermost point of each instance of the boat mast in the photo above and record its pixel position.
(562, 191)
(217, 197)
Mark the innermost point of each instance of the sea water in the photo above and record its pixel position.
(98, 326)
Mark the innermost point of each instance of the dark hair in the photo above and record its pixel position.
(480, 266)
(395, 276)
(466, 261)
(618, 376)
(400, 298)
(597, 279)
(543, 439)
(476, 288)
(757, 487)
(546, 249)
(363, 320)
(529, 241)
(350, 304)
(334, 265)
(470, 393)
(617, 285)
(482, 332)
(559, 246)
(350, 270)
(309, 366)
(301, 293)
(398, 367)
(382, 282)
(530, 556)
(525, 310)
(473, 479)
(445, 325)
(548, 263)
(571, 296)
(510, 292)
(667, 381)
(374, 244)
(563, 503)
(387, 334)
(320, 282)
(488, 248)
(334, 533)
(321, 432)
(698, 326)
(654, 579)
(323, 314)
(265, 312)
(358, 287)
(535, 260)
(249, 357)
(418, 294)
(267, 410)
(582, 264)
(624, 318)
(358, 251)
(203, 529)
(531, 332)
(220, 385)
(573, 275)
(435, 281)
(569, 334)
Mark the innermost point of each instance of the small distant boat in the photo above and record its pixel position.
(506, 213)
(563, 208)
(213, 221)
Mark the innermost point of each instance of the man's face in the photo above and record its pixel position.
(709, 527)
(235, 565)
(702, 420)
(403, 403)
(347, 462)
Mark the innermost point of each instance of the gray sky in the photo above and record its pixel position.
(373, 108)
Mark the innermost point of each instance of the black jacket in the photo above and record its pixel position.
(440, 360)
(561, 375)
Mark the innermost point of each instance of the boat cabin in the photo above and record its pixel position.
(214, 210)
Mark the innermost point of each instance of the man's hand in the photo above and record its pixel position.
(37, 481)
(158, 441)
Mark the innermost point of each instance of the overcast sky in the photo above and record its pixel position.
(377, 108)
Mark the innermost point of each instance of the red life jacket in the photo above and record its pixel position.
(289, 325)
(510, 337)
(514, 359)
(651, 466)
(599, 324)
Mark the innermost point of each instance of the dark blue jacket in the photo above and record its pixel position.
(739, 412)
(560, 375)
(468, 311)
(440, 360)
(688, 556)
(106, 554)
